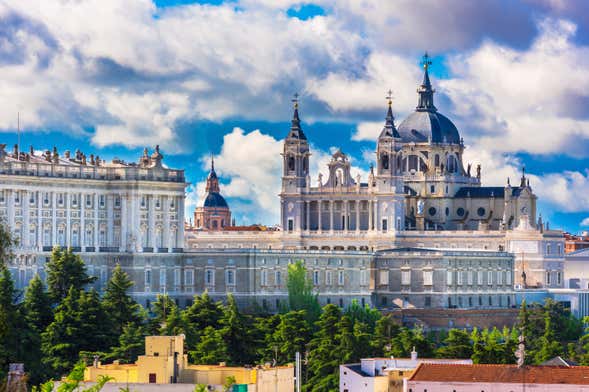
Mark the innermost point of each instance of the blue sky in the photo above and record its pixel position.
(214, 77)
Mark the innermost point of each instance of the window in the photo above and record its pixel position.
(508, 277)
(143, 201)
(384, 225)
(158, 202)
(74, 200)
(432, 189)
(449, 277)
(340, 278)
(101, 201)
(264, 278)
(188, 277)
(290, 225)
(117, 201)
(2, 199)
(328, 278)
(460, 211)
(363, 277)
(428, 301)
(46, 198)
(147, 277)
(459, 277)
(162, 277)
(559, 249)
(548, 249)
(558, 277)
(230, 277)
(490, 278)
(406, 277)
(278, 278)
(490, 301)
(17, 197)
(177, 277)
(32, 198)
(428, 278)
(548, 278)
(383, 277)
(209, 277)
(316, 278)
(88, 200)
(432, 211)
(499, 277)
(479, 277)
(469, 278)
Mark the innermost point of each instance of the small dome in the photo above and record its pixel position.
(214, 199)
(428, 126)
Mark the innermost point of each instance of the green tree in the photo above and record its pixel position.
(549, 347)
(174, 324)
(131, 344)
(9, 321)
(301, 295)
(323, 360)
(117, 302)
(160, 310)
(229, 383)
(364, 314)
(291, 335)
(456, 345)
(204, 312)
(385, 330)
(211, 349)
(6, 244)
(408, 339)
(37, 315)
(235, 331)
(64, 270)
(94, 323)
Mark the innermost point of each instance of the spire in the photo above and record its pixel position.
(212, 180)
(523, 179)
(389, 129)
(296, 132)
(425, 91)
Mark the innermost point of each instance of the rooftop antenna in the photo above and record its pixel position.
(18, 132)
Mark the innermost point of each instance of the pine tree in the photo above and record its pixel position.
(323, 360)
(549, 347)
(10, 321)
(211, 349)
(291, 335)
(160, 310)
(6, 243)
(174, 324)
(94, 323)
(64, 270)
(37, 315)
(384, 332)
(118, 304)
(60, 340)
(456, 345)
(235, 332)
(204, 312)
(131, 344)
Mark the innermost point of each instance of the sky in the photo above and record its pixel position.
(216, 78)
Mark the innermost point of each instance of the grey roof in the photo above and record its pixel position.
(424, 126)
(389, 129)
(214, 199)
(485, 191)
(296, 132)
(559, 361)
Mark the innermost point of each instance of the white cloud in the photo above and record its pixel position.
(367, 131)
(585, 222)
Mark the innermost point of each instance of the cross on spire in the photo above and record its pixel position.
(295, 100)
(389, 97)
(425, 61)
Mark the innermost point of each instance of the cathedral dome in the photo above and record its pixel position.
(424, 126)
(214, 199)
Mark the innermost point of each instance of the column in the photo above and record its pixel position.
(331, 215)
(151, 221)
(97, 230)
(54, 219)
(180, 205)
(124, 221)
(308, 215)
(357, 215)
(346, 221)
(319, 220)
(166, 213)
(109, 204)
(11, 211)
(83, 221)
(26, 224)
(40, 221)
(370, 226)
(68, 227)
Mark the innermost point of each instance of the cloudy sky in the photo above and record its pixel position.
(217, 77)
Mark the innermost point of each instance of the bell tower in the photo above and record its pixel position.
(295, 174)
(388, 152)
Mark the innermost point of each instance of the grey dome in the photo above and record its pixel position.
(424, 126)
(214, 199)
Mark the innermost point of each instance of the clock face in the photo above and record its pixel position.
(524, 210)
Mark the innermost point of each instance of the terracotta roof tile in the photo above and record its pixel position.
(502, 374)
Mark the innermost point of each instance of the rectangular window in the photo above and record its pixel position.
(316, 278)
(406, 277)
(490, 278)
(177, 277)
(32, 198)
(508, 277)
(383, 277)
(558, 278)
(469, 278)
(363, 277)
(188, 277)
(479, 278)
(103, 276)
(209, 277)
(428, 278)
(459, 277)
(264, 278)
(449, 277)
(101, 201)
(384, 225)
(499, 277)
(428, 301)
(230, 277)
(2, 199)
(88, 200)
(278, 278)
(117, 201)
(162, 277)
(290, 225)
(328, 278)
(340, 278)
(547, 278)
(147, 277)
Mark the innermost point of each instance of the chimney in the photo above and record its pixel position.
(414, 354)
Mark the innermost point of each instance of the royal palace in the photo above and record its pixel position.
(419, 232)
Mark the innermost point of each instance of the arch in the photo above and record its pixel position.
(291, 163)
(384, 161)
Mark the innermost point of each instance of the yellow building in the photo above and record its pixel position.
(164, 362)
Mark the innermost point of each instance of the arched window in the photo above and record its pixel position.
(384, 161)
(437, 160)
(291, 163)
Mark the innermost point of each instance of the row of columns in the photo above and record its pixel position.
(372, 207)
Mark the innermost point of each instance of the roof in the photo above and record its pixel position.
(428, 127)
(485, 191)
(576, 375)
(214, 199)
(559, 361)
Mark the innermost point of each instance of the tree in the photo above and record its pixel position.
(9, 321)
(131, 344)
(364, 314)
(6, 243)
(301, 295)
(456, 345)
(384, 332)
(549, 347)
(160, 310)
(94, 323)
(64, 270)
(291, 335)
(211, 349)
(323, 360)
(235, 332)
(174, 324)
(204, 312)
(118, 304)
(37, 315)
(408, 339)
